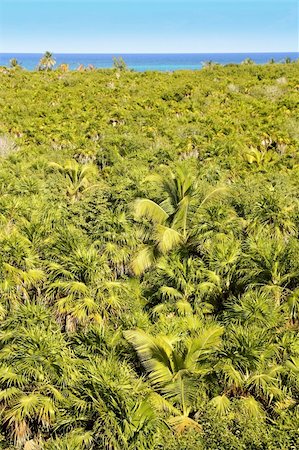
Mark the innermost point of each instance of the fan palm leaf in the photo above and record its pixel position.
(222, 404)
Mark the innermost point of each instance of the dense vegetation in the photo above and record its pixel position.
(149, 259)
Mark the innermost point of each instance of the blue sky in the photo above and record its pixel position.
(145, 26)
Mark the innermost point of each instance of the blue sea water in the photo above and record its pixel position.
(144, 62)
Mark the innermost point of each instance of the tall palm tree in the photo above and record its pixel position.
(119, 64)
(14, 63)
(47, 62)
(170, 218)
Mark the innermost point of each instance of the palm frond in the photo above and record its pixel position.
(222, 404)
(252, 406)
(180, 424)
(154, 353)
(170, 293)
(143, 260)
(163, 405)
(207, 342)
(184, 308)
(147, 208)
(214, 192)
(166, 238)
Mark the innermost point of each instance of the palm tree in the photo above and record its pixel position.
(113, 406)
(255, 306)
(275, 211)
(215, 219)
(248, 368)
(119, 64)
(175, 367)
(64, 67)
(209, 64)
(269, 262)
(170, 218)
(77, 177)
(292, 306)
(77, 438)
(180, 285)
(81, 285)
(40, 225)
(35, 368)
(20, 285)
(247, 61)
(120, 241)
(14, 63)
(79, 304)
(47, 62)
(221, 255)
(21, 271)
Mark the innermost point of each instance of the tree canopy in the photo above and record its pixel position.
(149, 271)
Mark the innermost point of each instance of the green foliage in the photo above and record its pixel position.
(149, 274)
(14, 64)
(47, 62)
(119, 64)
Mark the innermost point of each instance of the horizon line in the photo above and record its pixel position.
(149, 53)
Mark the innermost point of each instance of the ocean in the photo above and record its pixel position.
(144, 62)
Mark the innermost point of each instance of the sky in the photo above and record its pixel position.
(148, 26)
